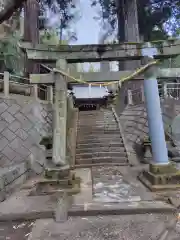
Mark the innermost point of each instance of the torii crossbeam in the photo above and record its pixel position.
(101, 52)
(91, 53)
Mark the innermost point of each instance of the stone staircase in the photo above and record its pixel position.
(98, 139)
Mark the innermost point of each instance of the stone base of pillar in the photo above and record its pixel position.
(56, 172)
(47, 186)
(161, 177)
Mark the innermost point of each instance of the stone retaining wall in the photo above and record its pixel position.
(23, 122)
(135, 125)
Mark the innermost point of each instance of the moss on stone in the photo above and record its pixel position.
(47, 141)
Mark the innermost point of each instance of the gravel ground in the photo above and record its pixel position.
(136, 227)
(15, 230)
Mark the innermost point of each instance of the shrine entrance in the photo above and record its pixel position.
(89, 104)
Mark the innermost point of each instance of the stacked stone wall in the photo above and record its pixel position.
(23, 122)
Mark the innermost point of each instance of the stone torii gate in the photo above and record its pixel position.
(161, 173)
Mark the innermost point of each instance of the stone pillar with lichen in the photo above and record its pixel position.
(60, 119)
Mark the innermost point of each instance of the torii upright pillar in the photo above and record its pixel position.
(162, 174)
(60, 119)
(154, 115)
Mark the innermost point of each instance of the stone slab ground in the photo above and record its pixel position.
(106, 192)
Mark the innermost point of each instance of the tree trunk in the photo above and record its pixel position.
(121, 28)
(131, 29)
(128, 29)
(31, 31)
(131, 21)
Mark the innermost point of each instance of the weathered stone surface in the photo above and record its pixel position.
(8, 175)
(12, 177)
(109, 186)
(24, 207)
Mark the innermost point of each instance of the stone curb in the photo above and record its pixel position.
(90, 209)
(124, 208)
(122, 135)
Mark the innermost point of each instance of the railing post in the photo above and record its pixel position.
(35, 91)
(129, 94)
(165, 90)
(6, 83)
(142, 94)
(50, 93)
(89, 90)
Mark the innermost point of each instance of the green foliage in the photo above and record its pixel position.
(62, 7)
(152, 15)
(12, 54)
(49, 37)
(66, 13)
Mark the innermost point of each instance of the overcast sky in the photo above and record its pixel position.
(88, 29)
(88, 32)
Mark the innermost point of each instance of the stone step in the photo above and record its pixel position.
(95, 135)
(101, 133)
(90, 149)
(92, 123)
(87, 148)
(98, 129)
(99, 144)
(91, 113)
(100, 154)
(98, 140)
(102, 160)
(96, 120)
